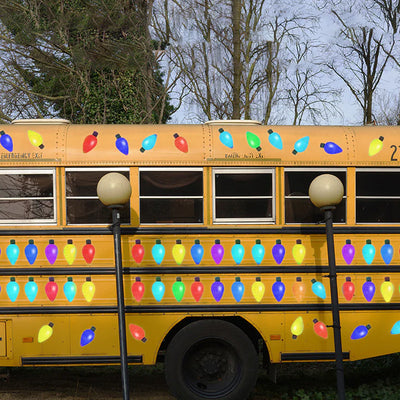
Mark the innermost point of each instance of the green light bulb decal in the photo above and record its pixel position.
(253, 141)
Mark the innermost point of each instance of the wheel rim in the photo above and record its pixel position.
(211, 368)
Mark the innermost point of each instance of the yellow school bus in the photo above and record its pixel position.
(224, 256)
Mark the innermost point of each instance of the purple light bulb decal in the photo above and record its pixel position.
(51, 252)
(348, 252)
(217, 252)
(368, 289)
(217, 289)
(278, 252)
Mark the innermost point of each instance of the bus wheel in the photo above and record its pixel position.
(211, 359)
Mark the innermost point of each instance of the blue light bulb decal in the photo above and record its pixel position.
(258, 252)
(301, 145)
(6, 141)
(360, 332)
(237, 289)
(387, 252)
(158, 289)
(225, 138)
(87, 336)
(12, 289)
(149, 142)
(368, 252)
(275, 139)
(237, 252)
(69, 289)
(197, 252)
(122, 144)
(31, 252)
(12, 252)
(395, 328)
(278, 289)
(158, 252)
(31, 289)
(318, 289)
(331, 148)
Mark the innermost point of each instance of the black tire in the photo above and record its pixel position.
(211, 359)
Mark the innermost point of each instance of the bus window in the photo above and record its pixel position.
(171, 195)
(83, 205)
(243, 195)
(377, 195)
(298, 207)
(27, 196)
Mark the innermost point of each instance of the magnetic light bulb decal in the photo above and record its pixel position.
(217, 289)
(51, 252)
(387, 252)
(88, 251)
(138, 251)
(12, 289)
(375, 146)
(121, 144)
(69, 289)
(138, 289)
(348, 289)
(197, 289)
(275, 139)
(318, 288)
(31, 289)
(278, 289)
(31, 251)
(158, 289)
(258, 252)
(237, 252)
(253, 141)
(178, 289)
(225, 138)
(6, 141)
(301, 145)
(368, 289)
(368, 252)
(320, 329)
(237, 289)
(297, 327)
(299, 252)
(258, 289)
(299, 289)
(148, 143)
(331, 148)
(88, 289)
(90, 142)
(51, 289)
(360, 332)
(278, 251)
(181, 143)
(45, 332)
(87, 336)
(387, 289)
(36, 139)
(217, 252)
(158, 252)
(138, 333)
(348, 252)
(178, 252)
(197, 252)
(69, 252)
(12, 252)
(395, 328)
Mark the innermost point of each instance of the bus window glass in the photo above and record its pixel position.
(27, 196)
(171, 195)
(83, 205)
(243, 195)
(377, 196)
(298, 207)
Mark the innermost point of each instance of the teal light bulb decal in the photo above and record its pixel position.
(387, 252)
(70, 289)
(301, 145)
(225, 138)
(158, 289)
(395, 328)
(258, 252)
(148, 143)
(253, 141)
(31, 289)
(237, 252)
(12, 252)
(318, 289)
(158, 252)
(31, 252)
(368, 252)
(12, 289)
(275, 139)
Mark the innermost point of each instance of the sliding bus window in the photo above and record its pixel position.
(27, 196)
(243, 195)
(83, 204)
(378, 195)
(298, 207)
(171, 195)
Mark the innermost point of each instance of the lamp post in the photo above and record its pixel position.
(114, 190)
(326, 191)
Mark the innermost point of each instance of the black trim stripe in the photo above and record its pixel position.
(79, 360)
(56, 271)
(328, 356)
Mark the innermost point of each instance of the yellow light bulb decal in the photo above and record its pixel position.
(178, 252)
(45, 332)
(258, 289)
(297, 327)
(69, 252)
(387, 289)
(375, 146)
(36, 139)
(88, 290)
(299, 252)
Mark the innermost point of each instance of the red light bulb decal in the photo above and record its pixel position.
(181, 143)
(138, 289)
(138, 332)
(88, 251)
(138, 252)
(90, 142)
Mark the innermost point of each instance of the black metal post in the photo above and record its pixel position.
(335, 303)
(116, 226)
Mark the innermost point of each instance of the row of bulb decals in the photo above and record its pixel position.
(34, 137)
(31, 289)
(88, 335)
(368, 252)
(51, 252)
